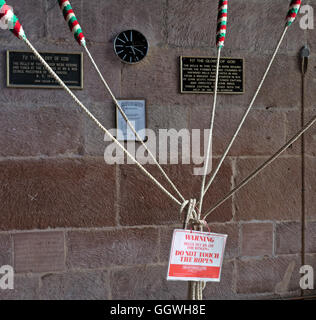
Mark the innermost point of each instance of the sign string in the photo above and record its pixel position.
(192, 218)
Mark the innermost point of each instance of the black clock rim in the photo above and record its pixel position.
(120, 57)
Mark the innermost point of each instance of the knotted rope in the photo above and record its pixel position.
(193, 217)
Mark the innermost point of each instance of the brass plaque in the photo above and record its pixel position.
(198, 75)
(24, 70)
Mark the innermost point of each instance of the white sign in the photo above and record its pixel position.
(196, 256)
(136, 114)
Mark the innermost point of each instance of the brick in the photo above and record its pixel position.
(272, 195)
(310, 237)
(283, 74)
(102, 21)
(149, 282)
(262, 133)
(39, 252)
(107, 63)
(158, 76)
(56, 27)
(310, 37)
(40, 131)
(95, 139)
(154, 207)
(40, 194)
(271, 14)
(292, 126)
(310, 259)
(288, 237)
(25, 288)
(221, 185)
(310, 188)
(223, 289)
(268, 275)
(310, 135)
(310, 81)
(108, 248)
(231, 229)
(167, 117)
(165, 242)
(197, 33)
(5, 250)
(92, 285)
(146, 283)
(257, 239)
(145, 203)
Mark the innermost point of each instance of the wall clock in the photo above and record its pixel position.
(131, 46)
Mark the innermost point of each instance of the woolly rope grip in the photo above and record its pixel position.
(72, 21)
(10, 20)
(221, 23)
(294, 7)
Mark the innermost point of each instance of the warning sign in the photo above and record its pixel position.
(196, 255)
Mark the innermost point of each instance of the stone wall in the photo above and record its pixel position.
(64, 212)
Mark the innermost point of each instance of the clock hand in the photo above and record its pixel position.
(132, 49)
(139, 51)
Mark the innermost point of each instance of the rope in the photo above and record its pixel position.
(220, 40)
(196, 290)
(130, 124)
(210, 133)
(196, 287)
(263, 166)
(246, 113)
(81, 105)
(72, 21)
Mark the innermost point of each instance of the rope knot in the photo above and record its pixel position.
(192, 216)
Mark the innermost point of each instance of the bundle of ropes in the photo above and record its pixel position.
(192, 207)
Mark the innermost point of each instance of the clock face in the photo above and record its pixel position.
(131, 46)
